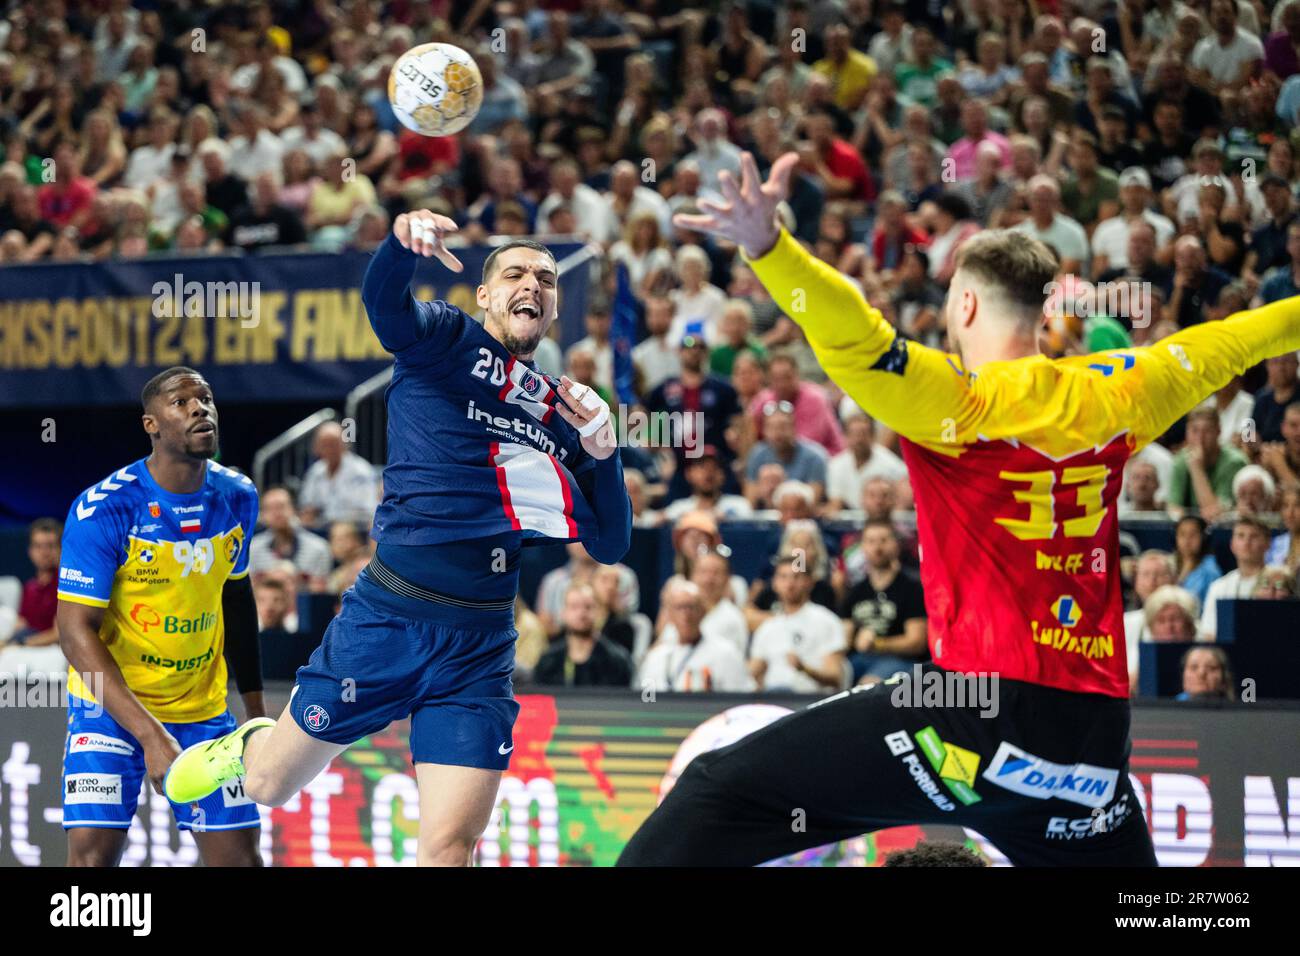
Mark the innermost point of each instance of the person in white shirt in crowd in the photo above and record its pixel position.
(1047, 223)
(696, 301)
(1254, 492)
(801, 648)
(1110, 238)
(695, 534)
(862, 458)
(722, 618)
(256, 149)
(596, 343)
(656, 357)
(286, 540)
(1235, 406)
(645, 254)
(892, 45)
(313, 138)
(152, 161)
(592, 213)
(713, 151)
(706, 477)
(340, 485)
(1224, 60)
(686, 187)
(692, 660)
(627, 198)
(1154, 569)
(1250, 541)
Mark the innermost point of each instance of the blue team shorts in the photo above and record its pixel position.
(103, 769)
(387, 656)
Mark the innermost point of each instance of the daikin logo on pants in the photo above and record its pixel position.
(1020, 772)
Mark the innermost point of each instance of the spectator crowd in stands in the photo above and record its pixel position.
(1151, 143)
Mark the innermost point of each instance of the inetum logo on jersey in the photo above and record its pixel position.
(99, 743)
(1020, 772)
(103, 788)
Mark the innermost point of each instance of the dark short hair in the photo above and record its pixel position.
(44, 526)
(954, 205)
(1207, 414)
(293, 498)
(154, 387)
(934, 853)
(490, 264)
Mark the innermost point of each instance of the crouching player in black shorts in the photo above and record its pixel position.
(1016, 462)
(485, 454)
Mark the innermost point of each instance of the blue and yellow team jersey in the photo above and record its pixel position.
(158, 561)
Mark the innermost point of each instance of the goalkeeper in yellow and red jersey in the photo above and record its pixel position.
(1016, 462)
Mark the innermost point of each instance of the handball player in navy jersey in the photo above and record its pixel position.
(486, 455)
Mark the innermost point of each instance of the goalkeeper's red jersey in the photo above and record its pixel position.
(1016, 468)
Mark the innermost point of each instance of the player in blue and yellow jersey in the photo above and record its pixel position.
(153, 597)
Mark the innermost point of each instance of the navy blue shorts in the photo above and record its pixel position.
(386, 657)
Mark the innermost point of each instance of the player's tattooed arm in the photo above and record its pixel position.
(78, 626)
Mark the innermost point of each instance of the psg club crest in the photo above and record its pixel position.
(529, 383)
(316, 718)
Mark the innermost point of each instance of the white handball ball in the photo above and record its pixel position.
(435, 89)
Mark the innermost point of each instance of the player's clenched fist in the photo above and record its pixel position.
(424, 232)
(587, 412)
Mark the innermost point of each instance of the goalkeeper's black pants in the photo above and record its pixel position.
(1042, 775)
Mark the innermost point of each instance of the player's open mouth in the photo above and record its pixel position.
(204, 429)
(527, 310)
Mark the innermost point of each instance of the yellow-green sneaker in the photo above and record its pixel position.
(202, 768)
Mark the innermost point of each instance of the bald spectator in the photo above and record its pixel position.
(285, 540)
(1141, 489)
(814, 417)
(340, 485)
(1047, 223)
(686, 658)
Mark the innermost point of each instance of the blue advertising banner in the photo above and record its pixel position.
(285, 327)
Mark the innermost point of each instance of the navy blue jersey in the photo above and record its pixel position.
(475, 446)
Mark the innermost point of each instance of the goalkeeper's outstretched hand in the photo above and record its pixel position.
(747, 217)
